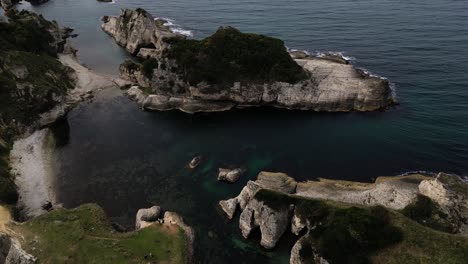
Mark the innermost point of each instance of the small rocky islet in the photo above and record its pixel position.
(394, 220)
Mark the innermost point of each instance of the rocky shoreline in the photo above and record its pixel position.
(275, 203)
(26, 144)
(328, 83)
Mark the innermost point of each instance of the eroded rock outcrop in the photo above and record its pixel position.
(136, 29)
(272, 222)
(451, 194)
(265, 180)
(275, 201)
(147, 216)
(12, 253)
(303, 252)
(327, 83)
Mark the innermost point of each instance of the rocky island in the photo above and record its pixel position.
(231, 69)
(390, 221)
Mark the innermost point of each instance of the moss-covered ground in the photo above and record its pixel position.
(84, 235)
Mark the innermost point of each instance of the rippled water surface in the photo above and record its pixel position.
(124, 159)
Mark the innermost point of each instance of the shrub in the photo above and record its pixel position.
(228, 56)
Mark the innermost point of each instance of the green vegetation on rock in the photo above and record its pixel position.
(26, 32)
(346, 233)
(427, 213)
(31, 80)
(84, 235)
(230, 56)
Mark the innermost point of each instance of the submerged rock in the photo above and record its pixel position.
(195, 162)
(326, 83)
(230, 175)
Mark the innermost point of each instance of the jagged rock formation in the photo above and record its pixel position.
(147, 216)
(135, 30)
(171, 81)
(12, 253)
(303, 245)
(275, 200)
(451, 195)
(230, 175)
(265, 180)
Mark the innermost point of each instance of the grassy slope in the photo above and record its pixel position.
(347, 233)
(84, 235)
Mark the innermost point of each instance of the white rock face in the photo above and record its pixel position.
(272, 222)
(391, 192)
(147, 216)
(12, 253)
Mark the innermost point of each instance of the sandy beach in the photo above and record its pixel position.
(31, 161)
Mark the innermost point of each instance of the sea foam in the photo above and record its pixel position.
(175, 28)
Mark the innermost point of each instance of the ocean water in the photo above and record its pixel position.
(122, 158)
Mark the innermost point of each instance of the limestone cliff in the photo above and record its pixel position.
(179, 73)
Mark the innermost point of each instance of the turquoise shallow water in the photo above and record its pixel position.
(123, 158)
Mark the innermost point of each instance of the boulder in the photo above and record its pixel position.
(230, 175)
(147, 216)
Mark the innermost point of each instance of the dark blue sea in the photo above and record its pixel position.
(112, 153)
